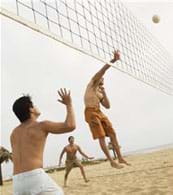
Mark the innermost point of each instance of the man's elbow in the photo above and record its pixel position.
(108, 107)
(71, 127)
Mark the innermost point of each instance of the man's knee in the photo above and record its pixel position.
(102, 141)
(80, 166)
(112, 135)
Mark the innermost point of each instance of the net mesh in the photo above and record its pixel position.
(100, 27)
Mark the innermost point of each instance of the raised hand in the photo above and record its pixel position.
(65, 96)
(116, 56)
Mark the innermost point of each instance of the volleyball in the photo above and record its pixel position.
(156, 19)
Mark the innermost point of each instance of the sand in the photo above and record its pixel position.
(150, 174)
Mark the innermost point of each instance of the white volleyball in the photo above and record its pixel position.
(156, 19)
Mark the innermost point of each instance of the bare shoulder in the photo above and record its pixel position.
(77, 146)
(91, 83)
(66, 147)
(44, 125)
(12, 134)
(14, 131)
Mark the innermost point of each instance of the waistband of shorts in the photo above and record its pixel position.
(92, 109)
(28, 173)
(71, 160)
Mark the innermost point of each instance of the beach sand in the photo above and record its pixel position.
(150, 174)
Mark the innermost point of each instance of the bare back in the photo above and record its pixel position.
(28, 141)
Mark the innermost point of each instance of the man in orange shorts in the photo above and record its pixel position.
(99, 124)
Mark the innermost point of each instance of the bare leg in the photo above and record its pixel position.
(65, 177)
(106, 152)
(115, 156)
(116, 147)
(83, 173)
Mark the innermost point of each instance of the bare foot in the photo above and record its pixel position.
(87, 180)
(124, 162)
(115, 165)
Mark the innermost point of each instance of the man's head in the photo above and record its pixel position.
(71, 139)
(101, 83)
(24, 109)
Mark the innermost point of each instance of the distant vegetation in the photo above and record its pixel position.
(85, 162)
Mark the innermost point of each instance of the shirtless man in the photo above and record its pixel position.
(28, 141)
(99, 124)
(71, 159)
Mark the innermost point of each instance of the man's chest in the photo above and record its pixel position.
(71, 149)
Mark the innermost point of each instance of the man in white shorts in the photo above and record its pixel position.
(28, 141)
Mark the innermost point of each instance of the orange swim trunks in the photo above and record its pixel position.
(99, 124)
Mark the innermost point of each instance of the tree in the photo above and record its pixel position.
(5, 156)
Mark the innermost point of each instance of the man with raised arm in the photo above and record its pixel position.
(99, 124)
(28, 141)
(71, 160)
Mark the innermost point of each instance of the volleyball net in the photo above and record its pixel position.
(97, 28)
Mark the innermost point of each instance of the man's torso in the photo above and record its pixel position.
(71, 152)
(93, 95)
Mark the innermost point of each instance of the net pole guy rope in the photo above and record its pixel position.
(95, 28)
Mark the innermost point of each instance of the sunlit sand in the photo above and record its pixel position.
(150, 174)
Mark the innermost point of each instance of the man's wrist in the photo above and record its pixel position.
(69, 105)
(113, 60)
(107, 66)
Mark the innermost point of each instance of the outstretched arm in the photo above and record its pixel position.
(61, 155)
(96, 78)
(69, 124)
(83, 154)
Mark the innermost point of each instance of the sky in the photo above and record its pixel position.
(32, 63)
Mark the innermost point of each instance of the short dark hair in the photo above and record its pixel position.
(69, 138)
(21, 108)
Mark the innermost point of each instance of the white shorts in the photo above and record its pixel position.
(35, 182)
